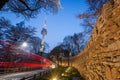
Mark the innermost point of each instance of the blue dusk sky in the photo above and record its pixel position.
(59, 25)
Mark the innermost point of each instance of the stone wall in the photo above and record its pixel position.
(100, 60)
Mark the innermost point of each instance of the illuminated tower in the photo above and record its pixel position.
(43, 32)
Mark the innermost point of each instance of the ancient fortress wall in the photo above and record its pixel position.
(100, 60)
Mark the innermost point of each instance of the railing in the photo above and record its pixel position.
(36, 76)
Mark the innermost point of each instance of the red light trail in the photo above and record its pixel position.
(22, 64)
(26, 59)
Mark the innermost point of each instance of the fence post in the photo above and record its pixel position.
(40, 74)
(23, 78)
(34, 77)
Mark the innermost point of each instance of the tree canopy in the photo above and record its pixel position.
(90, 16)
(71, 45)
(19, 33)
(29, 8)
(94, 8)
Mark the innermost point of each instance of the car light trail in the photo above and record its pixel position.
(16, 57)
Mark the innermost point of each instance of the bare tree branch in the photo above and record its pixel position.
(2, 3)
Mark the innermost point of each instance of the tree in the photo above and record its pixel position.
(94, 10)
(74, 44)
(90, 16)
(71, 44)
(97, 4)
(19, 33)
(29, 8)
(35, 44)
(35, 41)
(3, 27)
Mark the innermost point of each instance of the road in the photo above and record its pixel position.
(19, 75)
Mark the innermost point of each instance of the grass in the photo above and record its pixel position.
(62, 73)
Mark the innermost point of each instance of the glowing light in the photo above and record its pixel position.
(62, 74)
(66, 71)
(54, 79)
(24, 44)
(53, 66)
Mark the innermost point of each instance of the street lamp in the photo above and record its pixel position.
(24, 44)
(53, 66)
(54, 79)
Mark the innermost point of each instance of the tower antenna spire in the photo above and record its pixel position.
(45, 21)
(59, 4)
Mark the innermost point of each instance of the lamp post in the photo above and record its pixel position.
(43, 32)
(70, 54)
(68, 59)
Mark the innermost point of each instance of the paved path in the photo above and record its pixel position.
(19, 75)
